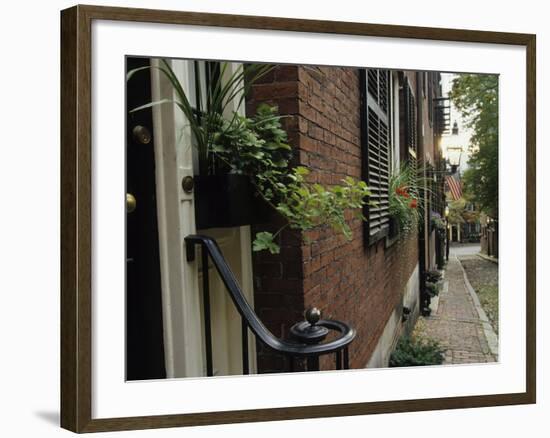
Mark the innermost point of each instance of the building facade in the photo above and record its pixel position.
(364, 124)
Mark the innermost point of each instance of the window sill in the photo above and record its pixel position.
(391, 240)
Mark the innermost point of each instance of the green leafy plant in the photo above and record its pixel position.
(257, 147)
(404, 198)
(437, 221)
(432, 288)
(417, 351)
(408, 187)
(433, 275)
(307, 205)
(205, 118)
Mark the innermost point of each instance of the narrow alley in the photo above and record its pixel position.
(458, 321)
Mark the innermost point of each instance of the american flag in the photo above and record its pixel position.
(454, 186)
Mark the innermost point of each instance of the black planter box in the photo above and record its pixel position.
(394, 227)
(224, 201)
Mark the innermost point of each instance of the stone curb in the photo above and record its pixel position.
(490, 335)
(488, 258)
(434, 304)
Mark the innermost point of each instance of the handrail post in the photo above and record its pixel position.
(309, 332)
(244, 328)
(190, 250)
(206, 309)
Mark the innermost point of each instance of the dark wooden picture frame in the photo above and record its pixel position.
(76, 218)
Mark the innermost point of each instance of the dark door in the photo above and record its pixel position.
(144, 330)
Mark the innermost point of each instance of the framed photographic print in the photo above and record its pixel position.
(268, 218)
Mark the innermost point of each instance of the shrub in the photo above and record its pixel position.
(434, 276)
(416, 352)
(432, 288)
(437, 221)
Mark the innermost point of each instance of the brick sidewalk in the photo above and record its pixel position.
(456, 323)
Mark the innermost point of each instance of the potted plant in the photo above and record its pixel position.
(223, 198)
(242, 150)
(403, 200)
(237, 152)
(433, 275)
(432, 289)
(437, 222)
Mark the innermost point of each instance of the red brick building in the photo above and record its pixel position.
(349, 122)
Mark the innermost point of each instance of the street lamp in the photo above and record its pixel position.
(453, 158)
(453, 149)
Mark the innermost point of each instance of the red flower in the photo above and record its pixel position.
(413, 204)
(401, 191)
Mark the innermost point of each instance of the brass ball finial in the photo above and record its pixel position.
(313, 315)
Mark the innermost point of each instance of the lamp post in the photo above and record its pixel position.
(453, 155)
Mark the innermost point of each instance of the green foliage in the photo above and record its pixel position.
(264, 241)
(456, 211)
(257, 147)
(438, 221)
(407, 189)
(205, 119)
(459, 214)
(416, 352)
(307, 205)
(433, 275)
(432, 288)
(252, 146)
(476, 97)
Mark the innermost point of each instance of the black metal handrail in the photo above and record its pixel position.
(304, 348)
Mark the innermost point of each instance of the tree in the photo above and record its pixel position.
(476, 97)
(456, 211)
(459, 213)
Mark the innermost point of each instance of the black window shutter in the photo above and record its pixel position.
(409, 115)
(410, 125)
(376, 143)
(431, 79)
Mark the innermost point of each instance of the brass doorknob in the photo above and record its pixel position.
(141, 134)
(187, 184)
(131, 203)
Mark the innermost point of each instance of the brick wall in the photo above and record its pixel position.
(347, 281)
(278, 279)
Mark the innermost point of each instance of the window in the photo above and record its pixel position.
(431, 79)
(408, 130)
(395, 124)
(424, 77)
(408, 103)
(376, 146)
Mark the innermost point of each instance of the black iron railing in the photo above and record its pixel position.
(309, 334)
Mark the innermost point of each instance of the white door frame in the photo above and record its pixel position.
(174, 157)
